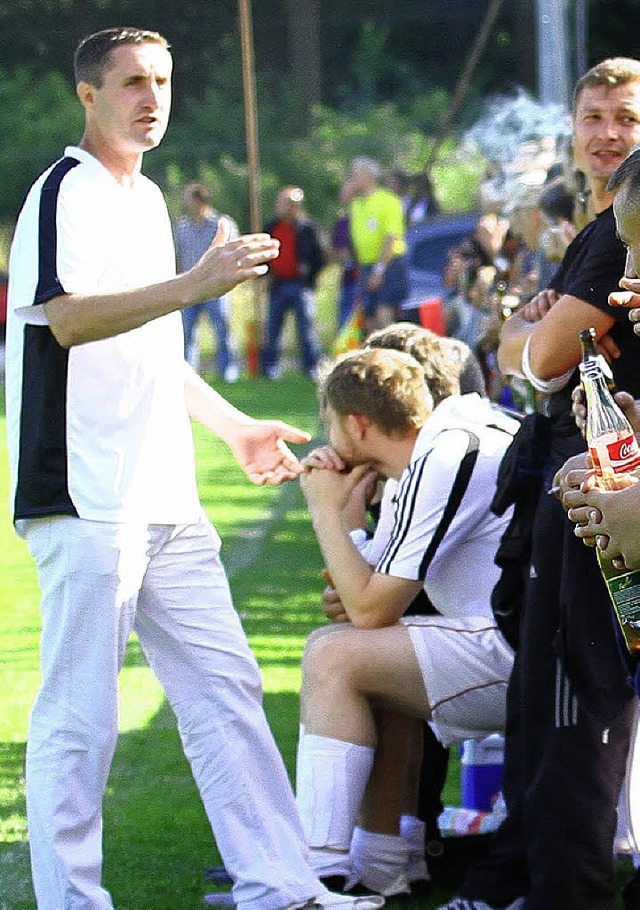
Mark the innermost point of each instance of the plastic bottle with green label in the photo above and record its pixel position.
(615, 454)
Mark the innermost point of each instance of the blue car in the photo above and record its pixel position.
(428, 243)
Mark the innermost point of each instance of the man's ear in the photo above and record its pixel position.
(86, 94)
(359, 424)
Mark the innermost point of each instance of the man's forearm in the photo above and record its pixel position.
(349, 571)
(210, 409)
(78, 318)
(513, 338)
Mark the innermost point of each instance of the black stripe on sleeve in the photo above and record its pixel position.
(404, 513)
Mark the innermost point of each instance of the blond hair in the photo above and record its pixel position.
(386, 386)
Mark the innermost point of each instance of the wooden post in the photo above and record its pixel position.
(464, 80)
(253, 161)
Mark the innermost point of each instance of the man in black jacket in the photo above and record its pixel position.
(292, 281)
(569, 706)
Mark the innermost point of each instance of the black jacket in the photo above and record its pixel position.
(309, 249)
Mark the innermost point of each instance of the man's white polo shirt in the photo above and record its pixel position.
(101, 430)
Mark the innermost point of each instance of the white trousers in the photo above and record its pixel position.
(99, 581)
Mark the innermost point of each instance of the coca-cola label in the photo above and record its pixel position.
(623, 455)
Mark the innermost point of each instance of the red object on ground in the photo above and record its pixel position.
(3, 300)
(431, 315)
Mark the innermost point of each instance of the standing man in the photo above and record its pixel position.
(378, 236)
(104, 492)
(194, 234)
(292, 281)
(570, 707)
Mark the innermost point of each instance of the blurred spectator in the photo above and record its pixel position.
(378, 235)
(399, 182)
(194, 234)
(342, 252)
(292, 280)
(472, 269)
(557, 204)
(422, 200)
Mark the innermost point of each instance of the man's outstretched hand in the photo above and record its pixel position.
(261, 449)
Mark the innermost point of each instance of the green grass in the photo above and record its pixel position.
(157, 840)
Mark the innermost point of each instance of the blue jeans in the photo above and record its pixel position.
(217, 313)
(346, 300)
(285, 296)
(392, 292)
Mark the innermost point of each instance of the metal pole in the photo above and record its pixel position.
(582, 55)
(253, 161)
(464, 80)
(553, 52)
(250, 113)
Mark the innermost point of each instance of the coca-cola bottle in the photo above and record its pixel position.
(615, 454)
(590, 353)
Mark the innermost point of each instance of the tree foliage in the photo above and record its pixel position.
(387, 76)
(39, 116)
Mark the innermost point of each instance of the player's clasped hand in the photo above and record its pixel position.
(331, 490)
(324, 457)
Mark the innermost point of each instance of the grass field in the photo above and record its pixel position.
(157, 840)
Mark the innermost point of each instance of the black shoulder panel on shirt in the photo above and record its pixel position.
(42, 483)
(460, 484)
(48, 283)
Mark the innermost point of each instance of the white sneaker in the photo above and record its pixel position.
(327, 901)
(331, 901)
(463, 903)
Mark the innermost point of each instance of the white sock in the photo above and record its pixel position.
(331, 779)
(379, 861)
(413, 831)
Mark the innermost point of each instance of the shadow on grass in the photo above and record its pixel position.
(157, 838)
(15, 880)
(156, 831)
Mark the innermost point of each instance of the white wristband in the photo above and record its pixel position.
(544, 386)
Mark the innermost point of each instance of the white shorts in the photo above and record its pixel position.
(466, 664)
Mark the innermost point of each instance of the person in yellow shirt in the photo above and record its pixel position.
(376, 221)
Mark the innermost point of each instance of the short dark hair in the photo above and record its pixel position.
(557, 201)
(627, 173)
(92, 54)
(199, 191)
(609, 74)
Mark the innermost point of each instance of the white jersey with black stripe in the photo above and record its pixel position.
(101, 430)
(456, 456)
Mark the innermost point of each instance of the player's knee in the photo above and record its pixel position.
(327, 659)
